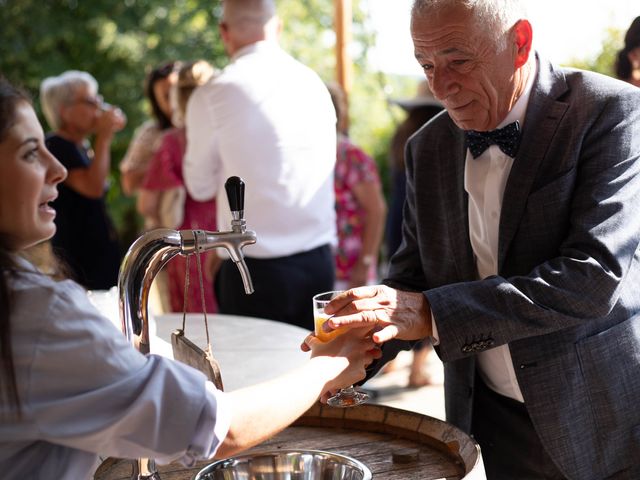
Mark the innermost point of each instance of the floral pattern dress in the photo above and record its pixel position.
(353, 166)
(165, 172)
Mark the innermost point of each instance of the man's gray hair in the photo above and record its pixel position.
(61, 90)
(495, 17)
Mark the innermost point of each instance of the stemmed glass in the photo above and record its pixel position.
(346, 397)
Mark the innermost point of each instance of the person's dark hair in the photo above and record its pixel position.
(631, 40)
(10, 97)
(339, 100)
(159, 73)
(416, 118)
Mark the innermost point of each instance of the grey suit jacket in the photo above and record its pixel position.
(567, 297)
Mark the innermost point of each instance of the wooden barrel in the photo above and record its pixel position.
(393, 443)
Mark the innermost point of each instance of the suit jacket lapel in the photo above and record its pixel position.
(457, 198)
(545, 113)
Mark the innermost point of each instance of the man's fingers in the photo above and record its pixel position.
(387, 333)
(350, 300)
(360, 319)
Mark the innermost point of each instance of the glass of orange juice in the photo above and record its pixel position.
(346, 397)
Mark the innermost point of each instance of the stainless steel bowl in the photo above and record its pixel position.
(287, 465)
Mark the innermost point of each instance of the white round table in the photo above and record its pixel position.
(249, 350)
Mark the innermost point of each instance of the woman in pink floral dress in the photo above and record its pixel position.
(164, 177)
(360, 207)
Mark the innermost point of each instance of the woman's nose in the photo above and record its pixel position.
(56, 172)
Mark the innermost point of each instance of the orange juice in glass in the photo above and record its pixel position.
(346, 397)
(319, 319)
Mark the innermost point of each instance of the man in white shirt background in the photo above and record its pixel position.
(269, 120)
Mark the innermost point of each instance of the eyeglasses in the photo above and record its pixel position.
(96, 102)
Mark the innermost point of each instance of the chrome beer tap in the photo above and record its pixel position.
(149, 253)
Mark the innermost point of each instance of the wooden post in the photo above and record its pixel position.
(343, 20)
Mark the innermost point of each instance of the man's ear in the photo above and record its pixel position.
(227, 37)
(223, 28)
(524, 37)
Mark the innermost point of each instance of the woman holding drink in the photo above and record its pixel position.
(75, 112)
(72, 387)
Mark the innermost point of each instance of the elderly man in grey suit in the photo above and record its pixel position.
(520, 251)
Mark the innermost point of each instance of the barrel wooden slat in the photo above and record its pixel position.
(370, 434)
(321, 438)
(360, 445)
(429, 465)
(428, 460)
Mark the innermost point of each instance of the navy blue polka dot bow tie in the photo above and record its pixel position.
(506, 138)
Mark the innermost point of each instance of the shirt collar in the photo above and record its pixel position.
(260, 46)
(24, 264)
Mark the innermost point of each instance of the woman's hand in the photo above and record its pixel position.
(110, 120)
(351, 351)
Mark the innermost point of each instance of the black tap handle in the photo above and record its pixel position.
(235, 193)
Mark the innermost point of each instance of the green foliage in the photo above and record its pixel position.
(120, 41)
(309, 36)
(603, 62)
(308, 33)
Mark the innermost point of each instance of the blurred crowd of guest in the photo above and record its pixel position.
(321, 215)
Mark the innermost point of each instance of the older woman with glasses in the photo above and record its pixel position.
(85, 239)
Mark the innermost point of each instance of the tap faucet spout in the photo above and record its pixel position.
(233, 241)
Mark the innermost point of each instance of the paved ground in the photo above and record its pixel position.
(391, 388)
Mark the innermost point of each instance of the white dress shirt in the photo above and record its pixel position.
(485, 178)
(85, 391)
(269, 120)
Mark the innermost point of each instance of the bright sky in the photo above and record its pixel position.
(562, 29)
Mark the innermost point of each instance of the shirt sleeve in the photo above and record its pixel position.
(90, 390)
(435, 338)
(141, 148)
(202, 166)
(207, 439)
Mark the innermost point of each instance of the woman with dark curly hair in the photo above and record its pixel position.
(628, 60)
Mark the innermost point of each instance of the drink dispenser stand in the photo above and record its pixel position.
(146, 257)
